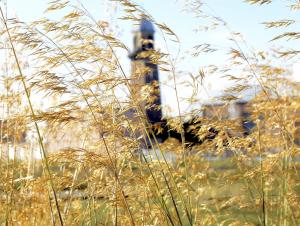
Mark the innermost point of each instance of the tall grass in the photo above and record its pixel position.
(90, 173)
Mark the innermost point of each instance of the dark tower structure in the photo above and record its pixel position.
(146, 90)
(145, 71)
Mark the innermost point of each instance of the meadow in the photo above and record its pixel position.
(91, 173)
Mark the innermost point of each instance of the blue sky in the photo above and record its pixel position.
(240, 17)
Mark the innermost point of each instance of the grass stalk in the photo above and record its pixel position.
(44, 156)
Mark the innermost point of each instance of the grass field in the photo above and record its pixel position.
(220, 197)
(73, 122)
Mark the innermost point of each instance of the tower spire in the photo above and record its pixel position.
(145, 72)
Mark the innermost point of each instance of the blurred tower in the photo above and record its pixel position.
(145, 72)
